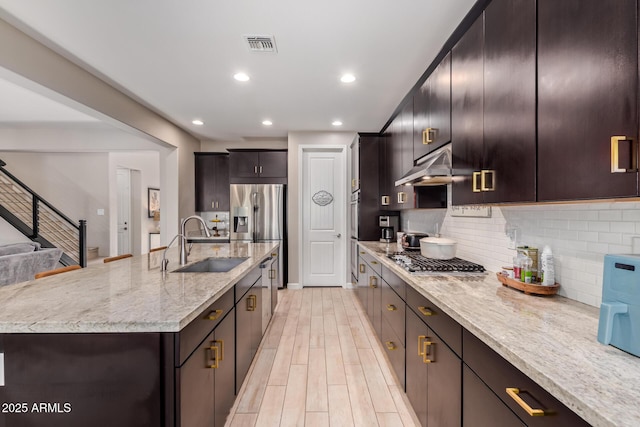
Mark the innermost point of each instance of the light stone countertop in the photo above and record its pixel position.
(128, 295)
(553, 340)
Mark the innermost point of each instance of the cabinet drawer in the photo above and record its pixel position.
(394, 348)
(393, 310)
(396, 283)
(499, 375)
(448, 329)
(371, 261)
(196, 331)
(246, 282)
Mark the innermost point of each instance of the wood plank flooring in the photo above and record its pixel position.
(320, 364)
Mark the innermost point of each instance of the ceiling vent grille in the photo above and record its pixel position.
(261, 43)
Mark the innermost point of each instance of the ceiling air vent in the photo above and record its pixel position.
(260, 43)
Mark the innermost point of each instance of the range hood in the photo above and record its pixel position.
(432, 169)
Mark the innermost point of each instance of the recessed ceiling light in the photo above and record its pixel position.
(267, 122)
(337, 123)
(241, 77)
(197, 122)
(348, 78)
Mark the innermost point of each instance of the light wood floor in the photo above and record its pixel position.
(320, 364)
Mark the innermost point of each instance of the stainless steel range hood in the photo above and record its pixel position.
(432, 169)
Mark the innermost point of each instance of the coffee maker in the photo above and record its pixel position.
(389, 224)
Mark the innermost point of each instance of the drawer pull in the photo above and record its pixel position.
(215, 315)
(423, 348)
(390, 345)
(217, 353)
(385, 201)
(391, 307)
(362, 269)
(615, 155)
(514, 393)
(374, 262)
(425, 311)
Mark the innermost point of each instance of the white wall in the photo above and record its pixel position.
(221, 146)
(297, 139)
(8, 234)
(580, 234)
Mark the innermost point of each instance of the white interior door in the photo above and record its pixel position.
(124, 211)
(323, 217)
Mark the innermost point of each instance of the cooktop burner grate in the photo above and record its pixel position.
(416, 263)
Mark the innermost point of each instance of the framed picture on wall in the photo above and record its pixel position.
(153, 195)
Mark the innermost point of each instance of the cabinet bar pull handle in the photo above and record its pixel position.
(420, 350)
(362, 269)
(514, 393)
(402, 197)
(373, 282)
(425, 136)
(615, 154)
(385, 200)
(252, 302)
(260, 169)
(483, 180)
(391, 307)
(374, 262)
(213, 205)
(255, 169)
(213, 348)
(475, 182)
(215, 315)
(425, 311)
(390, 345)
(425, 352)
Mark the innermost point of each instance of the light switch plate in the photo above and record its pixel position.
(1, 369)
(100, 212)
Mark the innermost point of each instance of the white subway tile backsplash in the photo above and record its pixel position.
(580, 234)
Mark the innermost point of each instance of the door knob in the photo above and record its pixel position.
(338, 235)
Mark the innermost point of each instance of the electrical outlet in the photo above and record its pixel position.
(1, 369)
(100, 212)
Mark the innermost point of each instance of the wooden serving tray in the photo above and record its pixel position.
(528, 288)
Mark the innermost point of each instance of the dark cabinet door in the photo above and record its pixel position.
(248, 331)
(432, 111)
(362, 288)
(434, 376)
(196, 379)
(224, 391)
(481, 407)
(587, 93)
(386, 166)
(272, 164)
(211, 182)
(467, 64)
(244, 164)
(405, 194)
(416, 365)
(374, 300)
(509, 156)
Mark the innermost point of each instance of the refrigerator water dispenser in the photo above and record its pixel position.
(241, 219)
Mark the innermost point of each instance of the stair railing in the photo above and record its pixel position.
(75, 250)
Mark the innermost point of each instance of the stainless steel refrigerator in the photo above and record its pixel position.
(258, 215)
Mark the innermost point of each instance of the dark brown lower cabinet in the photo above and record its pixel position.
(481, 407)
(249, 331)
(499, 375)
(394, 348)
(433, 376)
(206, 380)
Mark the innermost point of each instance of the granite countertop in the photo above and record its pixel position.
(128, 295)
(551, 339)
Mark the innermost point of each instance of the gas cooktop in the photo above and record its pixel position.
(415, 263)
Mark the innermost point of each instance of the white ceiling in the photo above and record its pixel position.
(178, 57)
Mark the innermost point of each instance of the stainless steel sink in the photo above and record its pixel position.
(212, 265)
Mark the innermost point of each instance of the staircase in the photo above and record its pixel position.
(40, 221)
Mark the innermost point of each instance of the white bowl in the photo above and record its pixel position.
(438, 247)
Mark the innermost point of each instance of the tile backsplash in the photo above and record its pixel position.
(579, 234)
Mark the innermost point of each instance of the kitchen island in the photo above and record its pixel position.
(552, 340)
(107, 345)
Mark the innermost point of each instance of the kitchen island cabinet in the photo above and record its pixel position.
(548, 343)
(587, 94)
(125, 344)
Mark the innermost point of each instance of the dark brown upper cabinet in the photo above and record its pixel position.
(494, 106)
(587, 94)
(432, 111)
(257, 166)
(212, 182)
